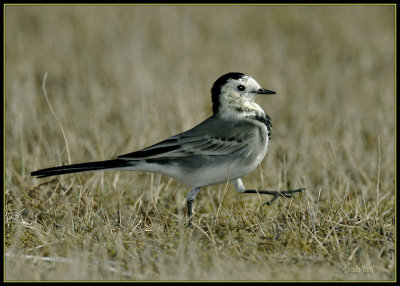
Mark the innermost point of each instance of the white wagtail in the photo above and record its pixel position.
(226, 146)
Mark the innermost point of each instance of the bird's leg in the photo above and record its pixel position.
(190, 199)
(286, 194)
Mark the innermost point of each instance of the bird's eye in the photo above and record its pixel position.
(241, 87)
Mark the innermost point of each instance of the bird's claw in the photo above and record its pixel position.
(285, 194)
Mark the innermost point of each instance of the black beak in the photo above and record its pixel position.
(265, 91)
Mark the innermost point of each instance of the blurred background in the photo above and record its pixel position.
(127, 76)
(123, 77)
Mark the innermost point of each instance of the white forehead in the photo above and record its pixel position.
(247, 81)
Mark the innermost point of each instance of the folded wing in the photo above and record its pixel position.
(212, 137)
(184, 146)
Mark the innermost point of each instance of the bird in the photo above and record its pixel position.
(229, 144)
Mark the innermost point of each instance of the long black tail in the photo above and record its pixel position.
(83, 167)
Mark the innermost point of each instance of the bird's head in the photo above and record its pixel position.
(235, 92)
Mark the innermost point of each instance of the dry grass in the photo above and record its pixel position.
(123, 77)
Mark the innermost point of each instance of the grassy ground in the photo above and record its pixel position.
(123, 77)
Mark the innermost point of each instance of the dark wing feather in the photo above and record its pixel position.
(213, 137)
(157, 150)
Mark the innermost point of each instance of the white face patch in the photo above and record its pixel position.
(243, 88)
(237, 97)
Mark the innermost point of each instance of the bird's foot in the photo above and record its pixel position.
(275, 194)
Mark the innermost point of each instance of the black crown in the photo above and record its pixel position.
(216, 88)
